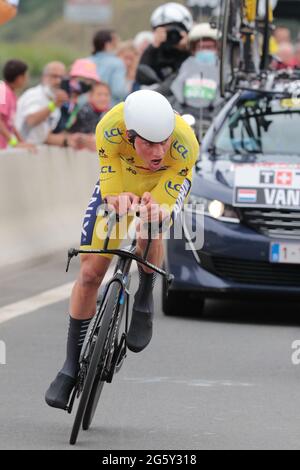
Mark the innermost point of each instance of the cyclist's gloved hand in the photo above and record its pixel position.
(122, 203)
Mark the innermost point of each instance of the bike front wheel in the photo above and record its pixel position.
(93, 385)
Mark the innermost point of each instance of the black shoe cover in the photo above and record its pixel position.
(59, 391)
(140, 331)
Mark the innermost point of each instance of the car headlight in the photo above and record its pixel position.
(214, 208)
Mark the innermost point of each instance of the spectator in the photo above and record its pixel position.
(143, 40)
(83, 76)
(129, 55)
(286, 56)
(38, 110)
(15, 78)
(99, 102)
(110, 68)
(282, 35)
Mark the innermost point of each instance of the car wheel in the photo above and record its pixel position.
(181, 303)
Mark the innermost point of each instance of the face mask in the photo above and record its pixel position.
(206, 57)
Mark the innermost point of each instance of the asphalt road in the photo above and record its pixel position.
(224, 381)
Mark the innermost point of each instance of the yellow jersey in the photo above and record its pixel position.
(123, 170)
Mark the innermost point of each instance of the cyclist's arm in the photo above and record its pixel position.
(172, 190)
(111, 178)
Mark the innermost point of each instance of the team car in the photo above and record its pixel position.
(247, 182)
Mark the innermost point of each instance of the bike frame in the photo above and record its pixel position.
(121, 277)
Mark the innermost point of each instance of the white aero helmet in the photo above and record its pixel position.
(203, 30)
(172, 13)
(150, 115)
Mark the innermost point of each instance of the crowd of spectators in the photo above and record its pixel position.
(65, 107)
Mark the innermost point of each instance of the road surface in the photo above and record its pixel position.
(224, 381)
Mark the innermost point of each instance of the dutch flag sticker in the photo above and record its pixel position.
(247, 195)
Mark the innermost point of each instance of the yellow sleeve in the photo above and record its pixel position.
(111, 178)
(172, 190)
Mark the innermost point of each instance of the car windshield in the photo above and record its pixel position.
(260, 127)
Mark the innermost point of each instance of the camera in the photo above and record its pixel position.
(174, 34)
(71, 85)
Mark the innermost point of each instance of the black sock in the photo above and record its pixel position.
(76, 335)
(146, 285)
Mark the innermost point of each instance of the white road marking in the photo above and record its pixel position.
(190, 383)
(49, 297)
(32, 304)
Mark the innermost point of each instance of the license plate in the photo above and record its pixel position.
(285, 253)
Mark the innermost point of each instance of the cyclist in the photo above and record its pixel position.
(147, 153)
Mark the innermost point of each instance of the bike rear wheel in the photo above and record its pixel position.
(92, 403)
(91, 390)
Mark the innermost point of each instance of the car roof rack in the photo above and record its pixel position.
(285, 83)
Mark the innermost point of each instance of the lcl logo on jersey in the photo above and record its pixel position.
(181, 149)
(106, 170)
(172, 189)
(114, 136)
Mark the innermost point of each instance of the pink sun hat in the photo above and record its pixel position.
(84, 68)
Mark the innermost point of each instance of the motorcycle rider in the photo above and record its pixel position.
(204, 43)
(171, 24)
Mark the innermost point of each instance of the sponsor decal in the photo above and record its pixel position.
(131, 170)
(267, 185)
(184, 172)
(129, 160)
(172, 189)
(90, 217)
(114, 136)
(198, 88)
(106, 170)
(183, 193)
(247, 195)
(180, 149)
(280, 177)
(268, 197)
(102, 153)
(284, 178)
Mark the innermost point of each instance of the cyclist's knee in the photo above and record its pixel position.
(91, 274)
